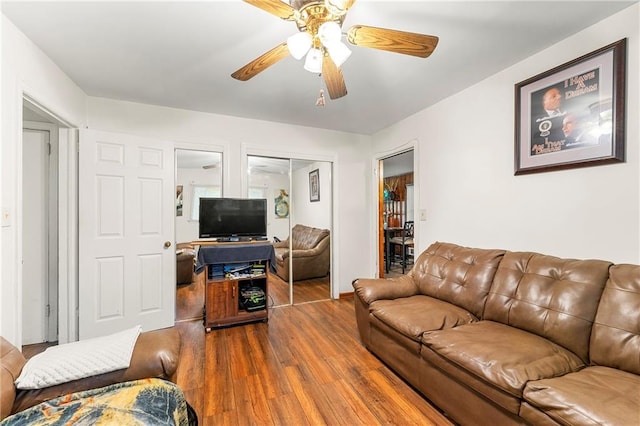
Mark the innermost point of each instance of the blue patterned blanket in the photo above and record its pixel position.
(140, 402)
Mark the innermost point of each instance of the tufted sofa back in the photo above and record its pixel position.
(615, 339)
(458, 275)
(307, 237)
(551, 297)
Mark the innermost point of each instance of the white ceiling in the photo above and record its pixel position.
(181, 54)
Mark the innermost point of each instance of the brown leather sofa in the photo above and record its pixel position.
(498, 337)
(155, 355)
(311, 253)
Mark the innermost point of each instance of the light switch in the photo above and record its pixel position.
(7, 218)
(423, 215)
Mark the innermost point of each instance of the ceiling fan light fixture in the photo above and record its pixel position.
(313, 62)
(339, 53)
(336, 7)
(299, 44)
(329, 33)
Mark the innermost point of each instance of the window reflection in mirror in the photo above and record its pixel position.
(269, 178)
(198, 174)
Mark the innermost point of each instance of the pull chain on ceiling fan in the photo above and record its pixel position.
(319, 39)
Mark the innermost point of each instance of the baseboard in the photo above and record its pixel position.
(346, 295)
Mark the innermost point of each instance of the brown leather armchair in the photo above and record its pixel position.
(311, 253)
(155, 355)
(185, 261)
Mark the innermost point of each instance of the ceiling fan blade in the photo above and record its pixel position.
(333, 78)
(262, 62)
(420, 45)
(275, 7)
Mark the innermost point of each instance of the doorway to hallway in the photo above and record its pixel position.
(395, 213)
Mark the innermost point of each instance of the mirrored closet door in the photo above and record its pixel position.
(298, 194)
(311, 228)
(269, 178)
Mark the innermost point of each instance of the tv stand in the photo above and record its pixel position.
(230, 269)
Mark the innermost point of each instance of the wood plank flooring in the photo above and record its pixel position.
(303, 291)
(306, 366)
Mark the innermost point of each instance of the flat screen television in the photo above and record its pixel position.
(232, 217)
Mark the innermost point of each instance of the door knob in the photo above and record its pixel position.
(167, 244)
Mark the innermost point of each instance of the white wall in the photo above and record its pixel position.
(237, 137)
(466, 179)
(305, 212)
(25, 69)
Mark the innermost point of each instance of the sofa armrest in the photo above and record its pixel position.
(368, 290)
(371, 289)
(281, 244)
(155, 355)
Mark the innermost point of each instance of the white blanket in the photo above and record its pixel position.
(72, 361)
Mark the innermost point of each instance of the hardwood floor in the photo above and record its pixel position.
(303, 291)
(306, 366)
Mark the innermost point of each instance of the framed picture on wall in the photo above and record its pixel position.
(314, 185)
(179, 200)
(572, 115)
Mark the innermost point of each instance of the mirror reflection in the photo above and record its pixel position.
(311, 230)
(298, 193)
(269, 178)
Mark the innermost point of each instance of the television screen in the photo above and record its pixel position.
(232, 217)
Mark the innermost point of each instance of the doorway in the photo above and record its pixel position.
(39, 255)
(396, 212)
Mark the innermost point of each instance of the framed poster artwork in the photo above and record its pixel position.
(572, 115)
(314, 185)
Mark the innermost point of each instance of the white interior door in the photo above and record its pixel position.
(35, 253)
(126, 219)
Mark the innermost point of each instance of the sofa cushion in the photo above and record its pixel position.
(76, 360)
(571, 399)
(552, 297)
(615, 339)
(412, 316)
(497, 360)
(458, 275)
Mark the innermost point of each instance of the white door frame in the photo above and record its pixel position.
(67, 221)
(411, 145)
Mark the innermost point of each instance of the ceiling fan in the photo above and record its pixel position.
(319, 24)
